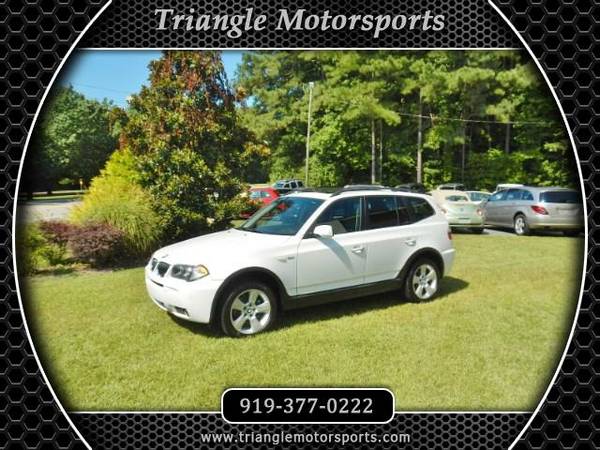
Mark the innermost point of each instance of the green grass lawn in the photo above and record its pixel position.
(490, 341)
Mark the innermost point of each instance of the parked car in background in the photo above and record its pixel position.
(451, 187)
(528, 208)
(507, 186)
(260, 196)
(303, 249)
(417, 188)
(478, 197)
(459, 210)
(286, 186)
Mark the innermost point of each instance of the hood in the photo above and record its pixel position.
(206, 248)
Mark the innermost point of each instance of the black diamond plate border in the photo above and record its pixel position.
(37, 35)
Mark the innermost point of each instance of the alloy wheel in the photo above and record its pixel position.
(250, 312)
(425, 281)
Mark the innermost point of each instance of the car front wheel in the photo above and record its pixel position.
(520, 225)
(249, 308)
(422, 281)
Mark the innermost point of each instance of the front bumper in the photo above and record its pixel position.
(191, 301)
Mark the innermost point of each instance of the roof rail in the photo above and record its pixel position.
(359, 187)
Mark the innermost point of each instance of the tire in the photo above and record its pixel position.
(477, 230)
(520, 225)
(422, 281)
(254, 300)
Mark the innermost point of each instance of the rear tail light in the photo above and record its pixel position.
(480, 211)
(539, 210)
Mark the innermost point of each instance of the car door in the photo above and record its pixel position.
(493, 208)
(509, 206)
(338, 262)
(389, 237)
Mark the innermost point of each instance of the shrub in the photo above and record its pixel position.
(28, 241)
(99, 245)
(115, 199)
(56, 231)
(36, 251)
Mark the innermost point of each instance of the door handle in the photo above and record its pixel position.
(411, 242)
(358, 249)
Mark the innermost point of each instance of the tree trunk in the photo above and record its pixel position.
(463, 154)
(381, 151)
(507, 138)
(373, 153)
(420, 142)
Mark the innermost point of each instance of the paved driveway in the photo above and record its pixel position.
(28, 212)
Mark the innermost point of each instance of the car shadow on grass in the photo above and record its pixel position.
(361, 305)
(335, 310)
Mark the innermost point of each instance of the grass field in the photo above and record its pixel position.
(490, 341)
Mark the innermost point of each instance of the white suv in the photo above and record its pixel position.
(303, 249)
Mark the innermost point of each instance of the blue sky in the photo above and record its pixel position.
(116, 74)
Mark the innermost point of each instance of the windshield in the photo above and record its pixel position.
(284, 216)
(457, 198)
(255, 194)
(560, 197)
(279, 184)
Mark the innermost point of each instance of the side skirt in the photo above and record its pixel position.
(336, 295)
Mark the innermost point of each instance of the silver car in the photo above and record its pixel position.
(527, 208)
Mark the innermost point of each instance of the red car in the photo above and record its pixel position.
(260, 196)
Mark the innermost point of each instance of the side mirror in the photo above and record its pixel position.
(323, 231)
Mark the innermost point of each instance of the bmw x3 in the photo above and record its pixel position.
(304, 249)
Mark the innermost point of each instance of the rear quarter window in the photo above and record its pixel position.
(419, 208)
(560, 197)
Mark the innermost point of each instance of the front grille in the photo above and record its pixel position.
(162, 268)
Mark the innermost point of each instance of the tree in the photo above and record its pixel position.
(188, 144)
(72, 141)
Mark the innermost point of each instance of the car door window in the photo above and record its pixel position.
(514, 194)
(498, 196)
(403, 210)
(344, 216)
(381, 212)
(527, 196)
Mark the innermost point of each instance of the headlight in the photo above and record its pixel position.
(188, 273)
(153, 262)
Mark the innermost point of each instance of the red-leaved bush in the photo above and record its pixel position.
(100, 245)
(57, 232)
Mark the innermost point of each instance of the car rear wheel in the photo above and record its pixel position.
(249, 308)
(477, 230)
(520, 225)
(422, 281)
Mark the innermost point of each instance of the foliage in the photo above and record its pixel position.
(57, 232)
(35, 251)
(72, 141)
(188, 144)
(115, 199)
(466, 98)
(99, 244)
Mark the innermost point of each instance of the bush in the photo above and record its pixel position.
(36, 251)
(116, 200)
(99, 245)
(56, 231)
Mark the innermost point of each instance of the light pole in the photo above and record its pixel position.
(311, 85)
